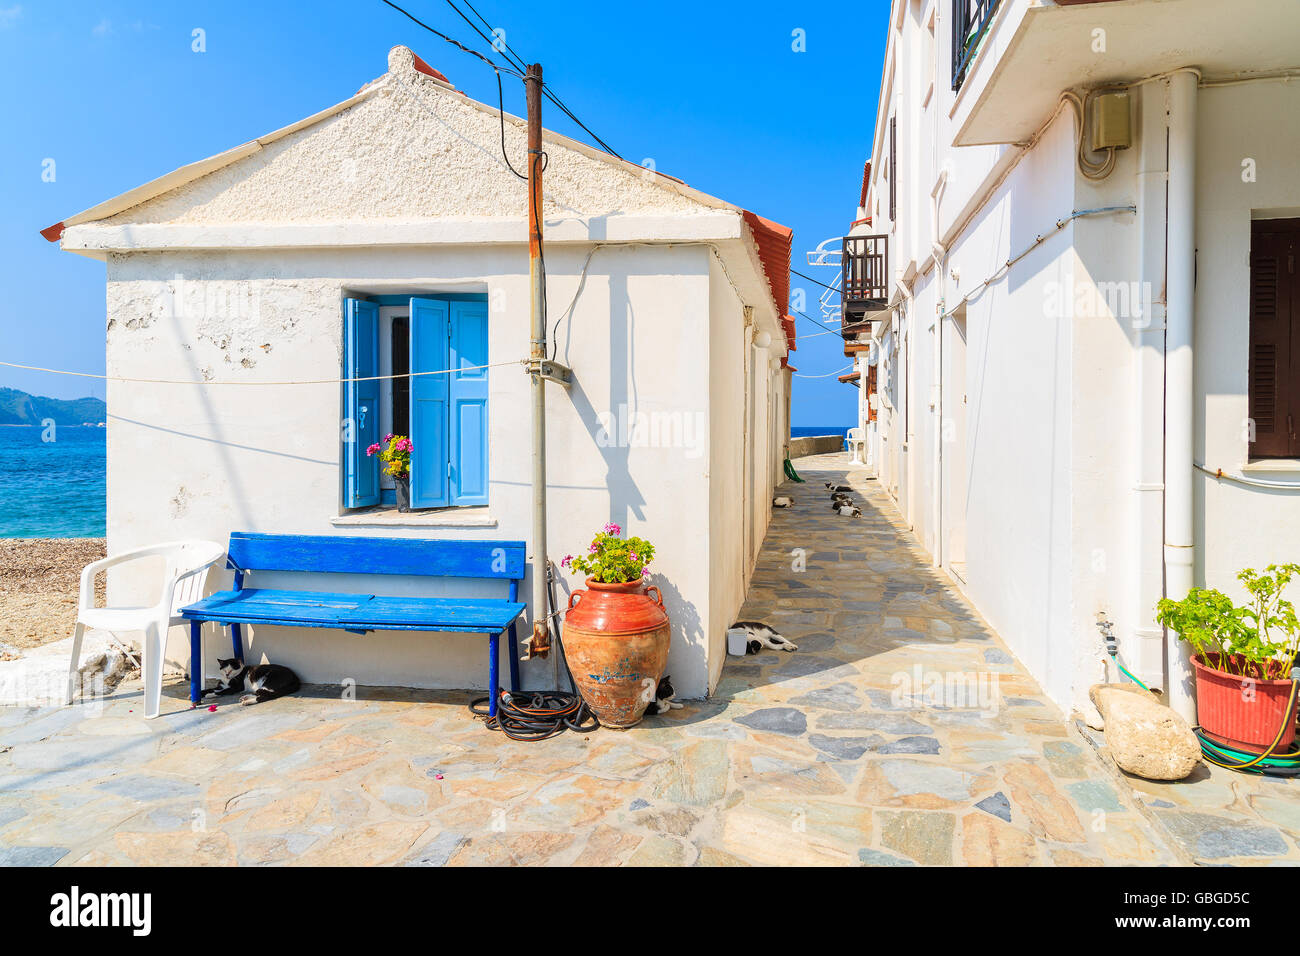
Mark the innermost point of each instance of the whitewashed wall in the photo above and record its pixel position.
(190, 462)
(1238, 527)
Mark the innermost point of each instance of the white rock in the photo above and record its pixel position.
(1145, 737)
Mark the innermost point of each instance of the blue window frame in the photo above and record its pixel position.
(448, 411)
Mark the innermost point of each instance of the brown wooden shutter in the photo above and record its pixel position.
(893, 168)
(1274, 399)
(871, 390)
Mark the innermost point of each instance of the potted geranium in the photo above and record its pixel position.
(1243, 656)
(615, 633)
(395, 452)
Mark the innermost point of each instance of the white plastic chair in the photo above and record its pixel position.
(856, 444)
(187, 564)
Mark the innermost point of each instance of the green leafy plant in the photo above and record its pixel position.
(1258, 640)
(613, 560)
(395, 452)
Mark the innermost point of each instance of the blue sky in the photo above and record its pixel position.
(714, 93)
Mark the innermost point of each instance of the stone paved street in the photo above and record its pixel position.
(902, 732)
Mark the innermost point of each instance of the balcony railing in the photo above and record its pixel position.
(865, 265)
(970, 21)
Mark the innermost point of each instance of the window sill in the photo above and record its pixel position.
(390, 517)
(1272, 466)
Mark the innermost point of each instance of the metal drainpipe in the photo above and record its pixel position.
(1180, 405)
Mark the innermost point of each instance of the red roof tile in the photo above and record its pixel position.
(774, 243)
(427, 70)
(866, 184)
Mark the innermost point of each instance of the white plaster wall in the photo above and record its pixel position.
(411, 149)
(1019, 374)
(192, 462)
(1238, 527)
(727, 568)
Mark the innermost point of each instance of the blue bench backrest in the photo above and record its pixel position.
(352, 555)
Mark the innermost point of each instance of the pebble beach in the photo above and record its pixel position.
(39, 581)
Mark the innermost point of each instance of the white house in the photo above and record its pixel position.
(264, 272)
(1085, 354)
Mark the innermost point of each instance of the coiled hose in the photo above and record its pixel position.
(536, 714)
(539, 714)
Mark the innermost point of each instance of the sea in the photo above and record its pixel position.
(804, 431)
(52, 482)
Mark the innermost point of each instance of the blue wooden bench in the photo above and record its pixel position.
(362, 613)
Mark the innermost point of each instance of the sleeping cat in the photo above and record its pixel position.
(263, 681)
(663, 701)
(760, 636)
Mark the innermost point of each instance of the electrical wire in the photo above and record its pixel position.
(805, 315)
(827, 375)
(317, 381)
(456, 43)
(813, 281)
(515, 59)
(509, 51)
(501, 112)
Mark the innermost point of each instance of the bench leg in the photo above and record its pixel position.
(196, 661)
(514, 656)
(494, 672)
(237, 640)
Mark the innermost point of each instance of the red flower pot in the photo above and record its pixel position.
(616, 642)
(1242, 712)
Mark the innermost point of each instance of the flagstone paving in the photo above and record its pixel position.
(901, 733)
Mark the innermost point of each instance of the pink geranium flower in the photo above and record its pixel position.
(612, 528)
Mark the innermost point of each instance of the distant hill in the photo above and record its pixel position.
(19, 408)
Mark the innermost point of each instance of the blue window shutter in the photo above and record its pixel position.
(360, 403)
(469, 403)
(429, 343)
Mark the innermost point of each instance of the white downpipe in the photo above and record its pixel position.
(1179, 395)
(941, 264)
(1145, 652)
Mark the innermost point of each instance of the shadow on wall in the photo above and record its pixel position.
(626, 499)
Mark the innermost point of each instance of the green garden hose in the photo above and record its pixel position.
(791, 473)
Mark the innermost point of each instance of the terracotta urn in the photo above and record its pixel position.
(616, 642)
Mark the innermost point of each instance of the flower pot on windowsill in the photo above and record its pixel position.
(616, 642)
(403, 493)
(1241, 711)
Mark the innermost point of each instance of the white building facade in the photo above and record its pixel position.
(241, 272)
(1086, 362)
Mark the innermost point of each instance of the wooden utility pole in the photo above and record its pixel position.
(540, 642)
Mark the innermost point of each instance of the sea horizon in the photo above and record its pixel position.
(53, 488)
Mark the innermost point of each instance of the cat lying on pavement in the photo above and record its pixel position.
(262, 681)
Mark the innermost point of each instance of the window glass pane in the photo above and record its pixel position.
(401, 366)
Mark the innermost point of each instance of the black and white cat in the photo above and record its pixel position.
(663, 701)
(782, 501)
(761, 636)
(262, 682)
(830, 487)
(846, 508)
